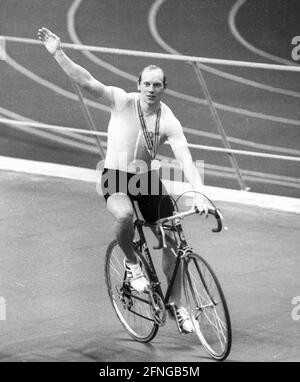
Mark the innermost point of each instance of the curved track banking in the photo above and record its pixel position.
(68, 138)
(54, 233)
(152, 26)
(156, 35)
(212, 169)
(74, 36)
(152, 15)
(154, 10)
(235, 32)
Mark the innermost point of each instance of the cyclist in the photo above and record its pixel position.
(139, 123)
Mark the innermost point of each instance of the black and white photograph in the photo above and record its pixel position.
(149, 184)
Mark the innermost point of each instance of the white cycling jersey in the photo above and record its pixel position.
(126, 143)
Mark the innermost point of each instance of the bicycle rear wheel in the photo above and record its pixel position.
(133, 309)
(207, 306)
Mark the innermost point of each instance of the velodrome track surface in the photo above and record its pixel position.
(259, 109)
(54, 232)
(53, 235)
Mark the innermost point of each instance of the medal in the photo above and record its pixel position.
(151, 139)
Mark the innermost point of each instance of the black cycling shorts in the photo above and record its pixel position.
(146, 189)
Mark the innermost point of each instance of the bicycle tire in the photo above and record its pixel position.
(132, 308)
(207, 306)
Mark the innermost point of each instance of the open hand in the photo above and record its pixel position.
(49, 39)
(201, 204)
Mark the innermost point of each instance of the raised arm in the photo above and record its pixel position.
(77, 73)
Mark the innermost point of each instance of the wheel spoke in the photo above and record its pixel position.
(132, 308)
(207, 305)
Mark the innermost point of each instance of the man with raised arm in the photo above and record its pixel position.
(139, 123)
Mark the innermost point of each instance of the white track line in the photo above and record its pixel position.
(41, 81)
(154, 31)
(90, 147)
(254, 176)
(246, 44)
(152, 15)
(278, 203)
(75, 39)
(54, 137)
(247, 82)
(89, 144)
(72, 96)
(113, 69)
(219, 171)
(243, 142)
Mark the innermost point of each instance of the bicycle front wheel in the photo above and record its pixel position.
(207, 306)
(133, 309)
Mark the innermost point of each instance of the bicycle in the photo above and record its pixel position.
(143, 313)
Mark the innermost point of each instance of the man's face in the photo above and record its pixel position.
(152, 86)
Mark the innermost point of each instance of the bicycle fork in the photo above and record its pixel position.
(182, 255)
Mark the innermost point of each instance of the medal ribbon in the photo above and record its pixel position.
(152, 146)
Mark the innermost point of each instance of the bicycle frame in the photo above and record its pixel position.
(204, 300)
(182, 249)
(182, 246)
